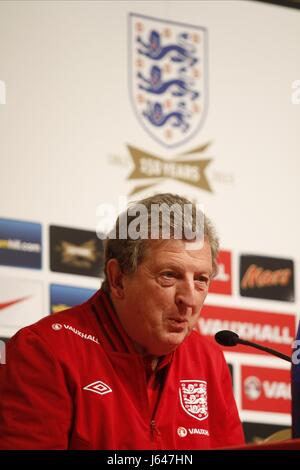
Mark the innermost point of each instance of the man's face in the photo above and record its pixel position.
(162, 300)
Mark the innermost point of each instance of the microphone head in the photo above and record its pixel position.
(227, 338)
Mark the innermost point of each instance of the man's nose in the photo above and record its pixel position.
(185, 294)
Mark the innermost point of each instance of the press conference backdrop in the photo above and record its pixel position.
(106, 102)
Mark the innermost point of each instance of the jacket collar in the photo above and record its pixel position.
(114, 337)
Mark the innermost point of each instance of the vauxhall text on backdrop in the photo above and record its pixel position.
(104, 103)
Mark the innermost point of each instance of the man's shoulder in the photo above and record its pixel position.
(74, 316)
(77, 321)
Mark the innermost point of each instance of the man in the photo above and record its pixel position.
(126, 369)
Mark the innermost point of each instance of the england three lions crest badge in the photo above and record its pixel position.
(193, 398)
(168, 77)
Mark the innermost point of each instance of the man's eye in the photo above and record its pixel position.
(167, 278)
(202, 279)
(168, 274)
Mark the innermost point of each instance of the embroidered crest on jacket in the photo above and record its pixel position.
(193, 398)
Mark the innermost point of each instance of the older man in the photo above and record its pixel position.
(126, 369)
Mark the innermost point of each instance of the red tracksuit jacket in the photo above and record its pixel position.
(74, 381)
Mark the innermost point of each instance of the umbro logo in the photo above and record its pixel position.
(98, 387)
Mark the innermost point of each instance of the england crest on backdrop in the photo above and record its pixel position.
(168, 77)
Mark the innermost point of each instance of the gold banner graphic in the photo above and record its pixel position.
(148, 166)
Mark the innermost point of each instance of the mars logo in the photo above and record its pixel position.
(193, 398)
(168, 77)
(267, 278)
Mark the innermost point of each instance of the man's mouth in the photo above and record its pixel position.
(177, 324)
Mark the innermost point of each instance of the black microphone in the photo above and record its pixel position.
(229, 338)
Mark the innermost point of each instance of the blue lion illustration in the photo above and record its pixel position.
(155, 114)
(178, 87)
(181, 52)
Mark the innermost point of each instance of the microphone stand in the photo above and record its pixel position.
(264, 348)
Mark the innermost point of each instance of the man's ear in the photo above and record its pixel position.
(115, 278)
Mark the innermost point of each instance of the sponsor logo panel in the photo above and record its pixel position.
(20, 244)
(168, 78)
(266, 389)
(267, 278)
(222, 283)
(21, 304)
(274, 330)
(76, 251)
(64, 297)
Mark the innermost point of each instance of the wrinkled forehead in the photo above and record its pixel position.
(156, 249)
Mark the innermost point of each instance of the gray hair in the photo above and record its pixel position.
(130, 251)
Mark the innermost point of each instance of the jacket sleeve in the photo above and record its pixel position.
(35, 403)
(233, 429)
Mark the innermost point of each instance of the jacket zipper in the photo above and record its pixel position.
(153, 429)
